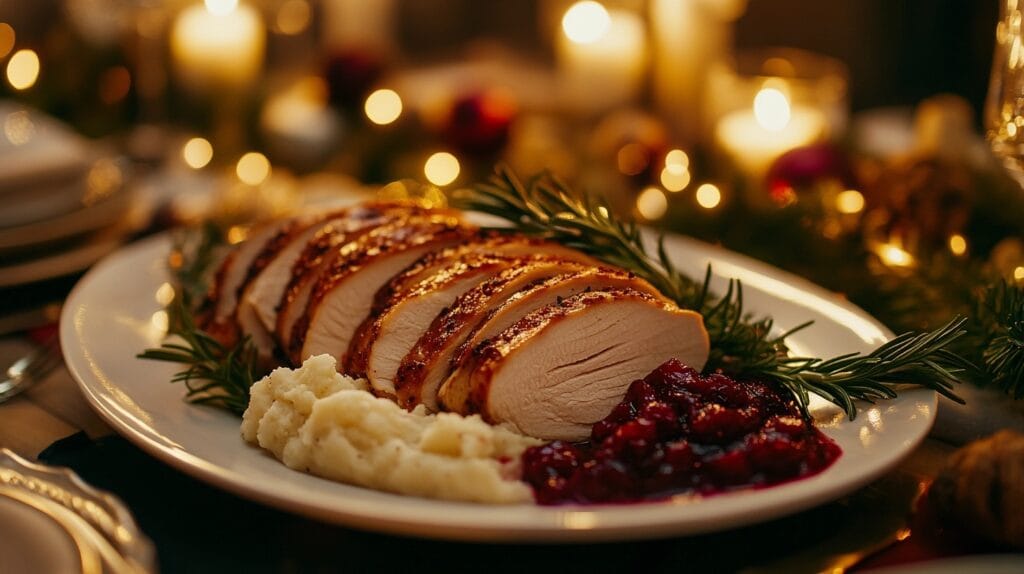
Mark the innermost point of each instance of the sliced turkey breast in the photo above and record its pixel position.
(487, 243)
(217, 316)
(272, 267)
(428, 363)
(389, 335)
(454, 392)
(321, 251)
(343, 295)
(421, 278)
(560, 369)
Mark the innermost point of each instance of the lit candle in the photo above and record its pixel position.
(218, 46)
(756, 136)
(602, 55)
(689, 37)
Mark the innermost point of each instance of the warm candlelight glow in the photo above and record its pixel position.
(197, 153)
(708, 196)
(675, 177)
(602, 57)
(894, 256)
(221, 7)
(253, 168)
(586, 22)
(441, 168)
(771, 109)
(850, 201)
(958, 244)
(219, 46)
(23, 69)
(7, 37)
(383, 106)
(652, 203)
(677, 157)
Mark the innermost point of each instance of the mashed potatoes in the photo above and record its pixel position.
(316, 420)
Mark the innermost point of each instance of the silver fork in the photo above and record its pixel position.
(30, 369)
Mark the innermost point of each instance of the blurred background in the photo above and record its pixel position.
(843, 140)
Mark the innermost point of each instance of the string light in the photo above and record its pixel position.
(850, 201)
(677, 157)
(675, 177)
(23, 69)
(957, 244)
(253, 168)
(197, 153)
(383, 106)
(652, 203)
(441, 168)
(708, 196)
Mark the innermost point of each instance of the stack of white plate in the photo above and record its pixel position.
(63, 202)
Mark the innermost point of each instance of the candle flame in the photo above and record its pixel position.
(586, 22)
(771, 109)
(221, 7)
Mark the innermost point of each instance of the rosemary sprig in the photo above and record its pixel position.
(741, 345)
(214, 374)
(1001, 315)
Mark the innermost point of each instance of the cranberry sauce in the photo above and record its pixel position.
(677, 431)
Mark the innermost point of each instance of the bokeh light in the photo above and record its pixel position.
(850, 201)
(957, 244)
(221, 7)
(253, 168)
(652, 203)
(586, 22)
(383, 106)
(441, 168)
(771, 109)
(675, 177)
(677, 157)
(197, 153)
(7, 37)
(23, 69)
(708, 196)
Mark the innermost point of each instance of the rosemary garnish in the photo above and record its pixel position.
(742, 346)
(214, 375)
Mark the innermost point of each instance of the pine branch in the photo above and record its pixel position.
(1001, 315)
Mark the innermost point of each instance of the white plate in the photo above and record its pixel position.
(112, 314)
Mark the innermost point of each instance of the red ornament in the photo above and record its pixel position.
(803, 168)
(478, 123)
(350, 74)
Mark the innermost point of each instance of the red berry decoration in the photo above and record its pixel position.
(677, 431)
(803, 168)
(478, 123)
